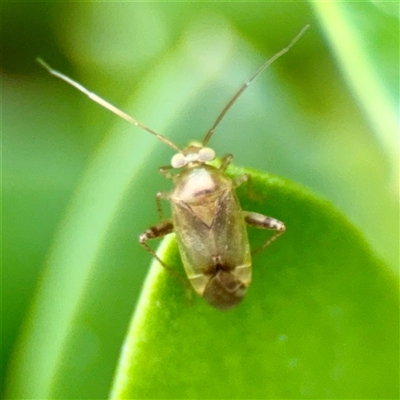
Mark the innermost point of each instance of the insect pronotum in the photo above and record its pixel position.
(206, 215)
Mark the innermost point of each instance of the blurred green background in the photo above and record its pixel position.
(325, 115)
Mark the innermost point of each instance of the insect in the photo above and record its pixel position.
(206, 215)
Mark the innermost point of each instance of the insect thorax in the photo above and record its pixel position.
(199, 181)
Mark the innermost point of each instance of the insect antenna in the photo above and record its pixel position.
(106, 104)
(246, 84)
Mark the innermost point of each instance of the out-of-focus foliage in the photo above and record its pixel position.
(78, 185)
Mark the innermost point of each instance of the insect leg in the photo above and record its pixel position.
(264, 222)
(225, 161)
(159, 197)
(165, 171)
(241, 179)
(251, 192)
(157, 231)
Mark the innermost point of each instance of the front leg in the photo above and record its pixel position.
(158, 231)
(264, 222)
(225, 161)
(166, 171)
(161, 196)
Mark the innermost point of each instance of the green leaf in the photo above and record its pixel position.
(63, 330)
(319, 320)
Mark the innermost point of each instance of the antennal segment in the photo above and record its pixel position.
(106, 104)
(246, 84)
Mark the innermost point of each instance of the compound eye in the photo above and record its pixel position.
(206, 154)
(178, 160)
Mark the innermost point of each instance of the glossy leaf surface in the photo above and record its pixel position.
(318, 320)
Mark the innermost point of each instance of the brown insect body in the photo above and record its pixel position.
(208, 221)
(211, 234)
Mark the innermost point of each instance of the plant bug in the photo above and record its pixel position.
(207, 218)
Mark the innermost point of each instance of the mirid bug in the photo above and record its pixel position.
(207, 218)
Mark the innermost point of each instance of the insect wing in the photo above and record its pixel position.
(211, 235)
